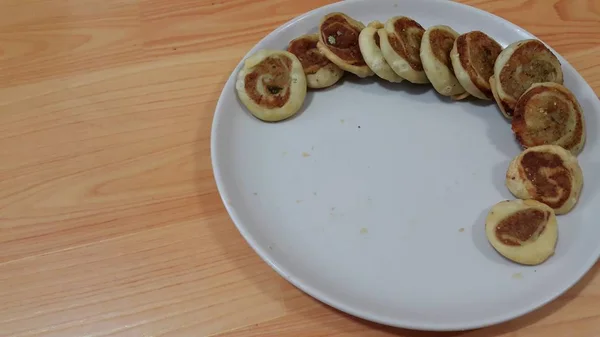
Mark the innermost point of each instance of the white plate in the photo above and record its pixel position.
(358, 200)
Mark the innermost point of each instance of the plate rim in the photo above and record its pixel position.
(318, 294)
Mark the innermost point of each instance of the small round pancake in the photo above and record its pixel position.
(473, 56)
(549, 113)
(436, 46)
(319, 71)
(338, 41)
(401, 46)
(548, 174)
(524, 231)
(272, 85)
(370, 49)
(520, 65)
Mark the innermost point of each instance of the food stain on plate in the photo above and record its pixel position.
(517, 276)
(305, 154)
(364, 231)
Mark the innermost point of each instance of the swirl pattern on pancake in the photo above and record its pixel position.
(473, 56)
(272, 85)
(401, 46)
(520, 65)
(319, 71)
(338, 41)
(548, 174)
(369, 42)
(524, 231)
(436, 45)
(549, 114)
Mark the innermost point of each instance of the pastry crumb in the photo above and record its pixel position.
(305, 154)
(517, 276)
(461, 230)
(364, 231)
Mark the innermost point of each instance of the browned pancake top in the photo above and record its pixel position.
(305, 48)
(529, 64)
(522, 226)
(341, 37)
(542, 115)
(275, 86)
(549, 175)
(406, 41)
(441, 44)
(478, 52)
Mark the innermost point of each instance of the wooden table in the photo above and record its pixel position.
(110, 221)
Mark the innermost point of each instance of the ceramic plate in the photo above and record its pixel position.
(373, 198)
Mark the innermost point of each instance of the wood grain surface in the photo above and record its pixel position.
(110, 221)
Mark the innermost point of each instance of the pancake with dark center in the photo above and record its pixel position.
(401, 47)
(369, 42)
(338, 41)
(524, 231)
(548, 174)
(473, 57)
(436, 45)
(319, 70)
(520, 65)
(272, 85)
(549, 114)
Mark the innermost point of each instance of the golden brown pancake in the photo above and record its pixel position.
(549, 113)
(338, 41)
(548, 174)
(272, 85)
(524, 231)
(436, 45)
(369, 42)
(473, 56)
(520, 65)
(401, 46)
(319, 71)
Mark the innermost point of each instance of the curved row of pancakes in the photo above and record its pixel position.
(525, 79)
(457, 65)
